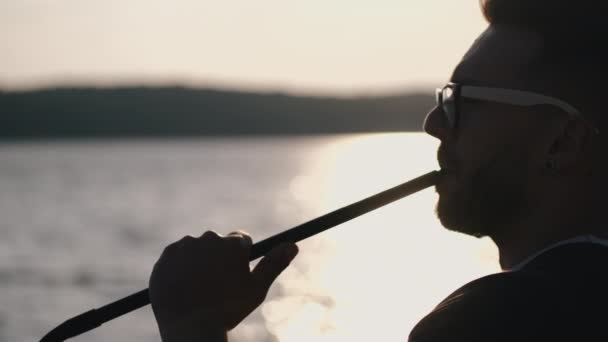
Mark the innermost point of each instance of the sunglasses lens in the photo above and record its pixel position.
(448, 104)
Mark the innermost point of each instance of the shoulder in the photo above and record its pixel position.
(557, 297)
(483, 307)
(510, 306)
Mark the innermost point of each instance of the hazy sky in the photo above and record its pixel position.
(304, 45)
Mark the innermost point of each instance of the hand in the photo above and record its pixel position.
(202, 287)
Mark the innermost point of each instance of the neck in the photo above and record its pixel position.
(516, 248)
(518, 241)
(561, 213)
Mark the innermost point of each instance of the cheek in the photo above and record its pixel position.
(482, 137)
(470, 152)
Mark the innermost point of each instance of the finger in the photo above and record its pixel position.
(186, 240)
(178, 245)
(272, 265)
(210, 235)
(243, 238)
(240, 243)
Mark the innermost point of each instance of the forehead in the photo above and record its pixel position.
(500, 57)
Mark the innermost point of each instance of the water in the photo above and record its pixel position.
(82, 223)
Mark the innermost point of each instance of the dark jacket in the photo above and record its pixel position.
(562, 295)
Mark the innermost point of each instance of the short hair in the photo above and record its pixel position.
(573, 64)
(546, 16)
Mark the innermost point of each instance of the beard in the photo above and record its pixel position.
(488, 200)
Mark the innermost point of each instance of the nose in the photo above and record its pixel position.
(435, 124)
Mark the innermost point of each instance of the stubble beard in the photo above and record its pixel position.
(487, 202)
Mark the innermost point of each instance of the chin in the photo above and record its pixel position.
(455, 211)
(486, 200)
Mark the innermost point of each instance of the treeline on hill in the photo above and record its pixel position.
(177, 111)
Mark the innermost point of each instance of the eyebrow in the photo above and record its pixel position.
(467, 81)
(470, 81)
(462, 78)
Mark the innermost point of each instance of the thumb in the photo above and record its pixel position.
(272, 265)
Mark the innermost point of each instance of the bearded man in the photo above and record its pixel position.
(523, 157)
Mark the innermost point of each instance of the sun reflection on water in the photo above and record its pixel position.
(376, 276)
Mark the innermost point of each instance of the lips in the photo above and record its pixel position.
(446, 176)
(446, 164)
(446, 167)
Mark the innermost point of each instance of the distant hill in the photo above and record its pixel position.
(177, 111)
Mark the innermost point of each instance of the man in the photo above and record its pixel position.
(522, 151)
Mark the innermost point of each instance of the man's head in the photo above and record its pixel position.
(509, 159)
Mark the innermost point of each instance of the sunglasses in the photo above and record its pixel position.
(448, 99)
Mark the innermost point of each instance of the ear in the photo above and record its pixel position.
(569, 144)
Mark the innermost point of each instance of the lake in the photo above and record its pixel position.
(82, 223)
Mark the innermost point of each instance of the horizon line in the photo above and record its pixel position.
(242, 87)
